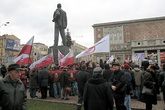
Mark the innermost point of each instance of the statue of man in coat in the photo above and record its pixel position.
(60, 20)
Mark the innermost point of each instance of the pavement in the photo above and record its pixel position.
(135, 104)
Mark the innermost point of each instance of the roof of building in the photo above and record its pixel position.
(129, 21)
(6, 36)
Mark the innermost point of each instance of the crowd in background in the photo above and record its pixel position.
(96, 84)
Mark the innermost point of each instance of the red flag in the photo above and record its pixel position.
(67, 60)
(24, 59)
(44, 61)
(24, 55)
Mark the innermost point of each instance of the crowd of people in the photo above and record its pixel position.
(99, 86)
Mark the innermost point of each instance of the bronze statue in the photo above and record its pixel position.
(60, 20)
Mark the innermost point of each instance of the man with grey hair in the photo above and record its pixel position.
(97, 92)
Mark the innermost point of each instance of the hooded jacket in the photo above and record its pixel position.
(138, 76)
(98, 94)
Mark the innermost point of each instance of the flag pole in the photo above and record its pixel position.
(109, 46)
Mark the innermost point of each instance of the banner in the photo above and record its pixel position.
(12, 44)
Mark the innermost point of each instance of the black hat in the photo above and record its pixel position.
(13, 67)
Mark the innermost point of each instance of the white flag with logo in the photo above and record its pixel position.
(101, 46)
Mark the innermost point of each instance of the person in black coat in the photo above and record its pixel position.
(162, 81)
(149, 81)
(43, 80)
(119, 82)
(107, 73)
(81, 78)
(145, 64)
(98, 93)
(33, 86)
(65, 83)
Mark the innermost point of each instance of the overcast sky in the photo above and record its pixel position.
(34, 17)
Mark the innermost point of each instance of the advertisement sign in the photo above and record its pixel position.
(12, 44)
(162, 57)
(137, 58)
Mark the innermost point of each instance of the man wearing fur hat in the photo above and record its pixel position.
(12, 90)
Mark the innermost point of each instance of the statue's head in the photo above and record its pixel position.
(59, 5)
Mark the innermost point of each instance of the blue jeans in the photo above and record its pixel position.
(127, 102)
(55, 90)
(138, 90)
(58, 89)
(74, 88)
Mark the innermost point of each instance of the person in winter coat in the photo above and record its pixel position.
(98, 93)
(43, 80)
(129, 86)
(107, 73)
(65, 83)
(33, 85)
(162, 81)
(12, 90)
(150, 82)
(145, 64)
(119, 82)
(81, 78)
(138, 80)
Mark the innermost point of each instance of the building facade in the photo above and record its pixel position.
(9, 48)
(77, 48)
(38, 51)
(134, 39)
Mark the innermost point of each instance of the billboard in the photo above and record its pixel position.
(162, 57)
(137, 58)
(12, 44)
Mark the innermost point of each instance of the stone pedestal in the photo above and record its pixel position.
(63, 49)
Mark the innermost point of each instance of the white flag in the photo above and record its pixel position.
(101, 46)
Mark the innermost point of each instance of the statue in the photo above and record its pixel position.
(60, 20)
